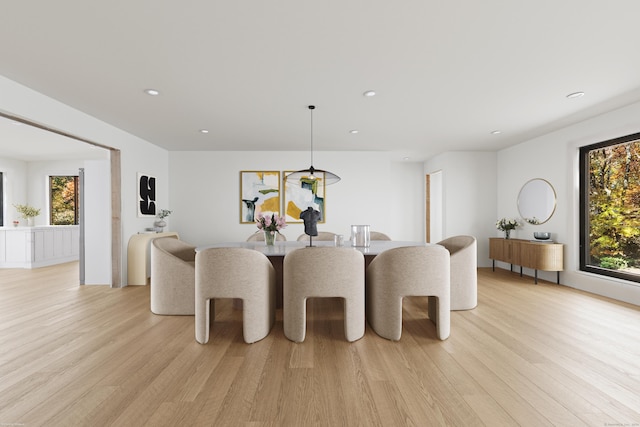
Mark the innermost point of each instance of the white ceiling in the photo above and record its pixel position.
(446, 73)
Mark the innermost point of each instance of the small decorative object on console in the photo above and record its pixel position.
(161, 223)
(542, 235)
(507, 225)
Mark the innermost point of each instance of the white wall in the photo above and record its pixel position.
(97, 198)
(436, 207)
(468, 196)
(554, 157)
(137, 155)
(15, 187)
(205, 190)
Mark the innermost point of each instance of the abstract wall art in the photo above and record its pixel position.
(259, 193)
(146, 195)
(298, 196)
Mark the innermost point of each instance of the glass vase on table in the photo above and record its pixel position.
(269, 237)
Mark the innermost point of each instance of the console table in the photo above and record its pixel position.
(138, 254)
(526, 253)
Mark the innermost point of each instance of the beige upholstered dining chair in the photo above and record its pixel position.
(464, 271)
(258, 236)
(376, 235)
(322, 236)
(172, 277)
(323, 272)
(235, 273)
(408, 271)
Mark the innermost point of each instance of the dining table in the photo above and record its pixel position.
(276, 252)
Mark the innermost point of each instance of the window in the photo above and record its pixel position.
(610, 208)
(63, 194)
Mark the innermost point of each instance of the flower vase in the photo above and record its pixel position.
(507, 234)
(269, 237)
(160, 225)
(30, 221)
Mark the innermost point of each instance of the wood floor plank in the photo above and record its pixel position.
(530, 355)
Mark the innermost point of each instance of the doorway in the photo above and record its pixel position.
(434, 207)
(115, 202)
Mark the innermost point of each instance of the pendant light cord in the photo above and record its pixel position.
(326, 176)
(311, 108)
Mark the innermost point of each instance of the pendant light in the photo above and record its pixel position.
(312, 173)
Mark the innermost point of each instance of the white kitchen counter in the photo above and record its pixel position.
(32, 247)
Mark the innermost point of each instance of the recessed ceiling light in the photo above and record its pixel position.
(370, 93)
(575, 95)
(204, 130)
(151, 92)
(16, 123)
(496, 132)
(406, 158)
(354, 131)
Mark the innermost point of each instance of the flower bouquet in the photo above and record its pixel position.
(506, 225)
(270, 224)
(161, 223)
(27, 212)
(164, 213)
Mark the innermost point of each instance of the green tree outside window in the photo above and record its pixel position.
(613, 208)
(64, 200)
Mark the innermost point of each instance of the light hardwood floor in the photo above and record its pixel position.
(527, 355)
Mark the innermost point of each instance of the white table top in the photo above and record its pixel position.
(282, 248)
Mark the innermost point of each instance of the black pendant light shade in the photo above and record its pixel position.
(312, 173)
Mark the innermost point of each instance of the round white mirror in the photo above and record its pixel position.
(537, 201)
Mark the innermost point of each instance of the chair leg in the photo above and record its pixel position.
(441, 316)
(258, 317)
(295, 318)
(432, 309)
(386, 317)
(353, 319)
(205, 313)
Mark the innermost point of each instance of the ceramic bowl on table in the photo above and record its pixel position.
(542, 235)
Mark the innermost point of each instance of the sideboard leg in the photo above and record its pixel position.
(536, 277)
(493, 265)
(558, 281)
(520, 271)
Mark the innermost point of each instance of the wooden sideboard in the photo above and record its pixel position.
(526, 253)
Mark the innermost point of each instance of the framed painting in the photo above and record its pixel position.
(259, 193)
(146, 195)
(298, 196)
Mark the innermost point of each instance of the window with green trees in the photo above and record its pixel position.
(610, 208)
(64, 200)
